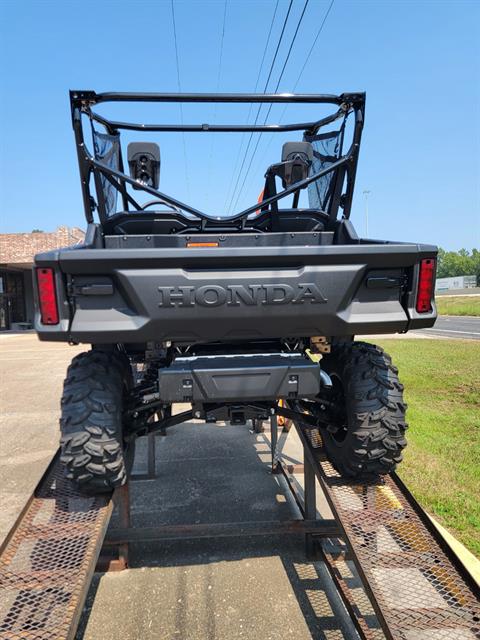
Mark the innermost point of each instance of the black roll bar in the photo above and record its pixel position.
(82, 101)
(114, 125)
(79, 98)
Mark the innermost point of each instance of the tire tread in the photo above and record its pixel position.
(91, 440)
(375, 409)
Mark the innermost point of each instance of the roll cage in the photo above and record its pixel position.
(340, 167)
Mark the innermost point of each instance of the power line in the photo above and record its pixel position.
(260, 105)
(212, 144)
(313, 45)
(221, 44)
(266, 47)
(237, 160)
(291, 45)
(276, 89)
(187, 182)
(278, 47)
(320, 29)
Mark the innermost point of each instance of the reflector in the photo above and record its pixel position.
(201, 244)
(47, 295)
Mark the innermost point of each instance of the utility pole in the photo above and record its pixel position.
(366, 193)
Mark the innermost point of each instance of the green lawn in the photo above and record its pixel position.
(458, 305)
(442, 461)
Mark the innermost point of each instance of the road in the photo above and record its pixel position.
(462, 327)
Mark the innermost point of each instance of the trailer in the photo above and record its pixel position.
(416, 586)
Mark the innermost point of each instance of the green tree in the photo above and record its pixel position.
(458, 263)
(475, 258)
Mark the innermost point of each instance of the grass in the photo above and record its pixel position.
(442, 461)
(458, 305)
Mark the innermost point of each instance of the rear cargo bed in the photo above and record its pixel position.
(189, 294)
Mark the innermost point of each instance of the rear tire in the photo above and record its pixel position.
(368, 436)
(92, 442)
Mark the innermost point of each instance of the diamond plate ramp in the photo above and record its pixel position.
(47, 561)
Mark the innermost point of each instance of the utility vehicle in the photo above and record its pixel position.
(240, 316)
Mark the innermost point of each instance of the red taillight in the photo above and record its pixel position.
(426, 280)
(47, 296)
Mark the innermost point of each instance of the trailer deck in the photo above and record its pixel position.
(413, 586)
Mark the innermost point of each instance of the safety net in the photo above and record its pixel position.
(107, 151)
(327, 149)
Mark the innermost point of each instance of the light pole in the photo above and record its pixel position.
(366, 194)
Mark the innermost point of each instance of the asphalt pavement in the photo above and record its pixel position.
(461, 327)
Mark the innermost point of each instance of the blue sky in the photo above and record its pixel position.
(418, 61)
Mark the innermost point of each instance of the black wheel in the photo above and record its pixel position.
(367, 434)
(93, 450)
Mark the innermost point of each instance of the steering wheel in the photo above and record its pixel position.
(158, 201)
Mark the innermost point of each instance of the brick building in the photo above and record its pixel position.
(17, 251)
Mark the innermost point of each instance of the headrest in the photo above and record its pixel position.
(297, 151)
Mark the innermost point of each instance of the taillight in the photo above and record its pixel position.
(426, 280)
(47, 295)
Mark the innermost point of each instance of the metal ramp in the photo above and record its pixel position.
(417, 587)
(47, 561)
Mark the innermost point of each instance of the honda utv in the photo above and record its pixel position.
(239, 316)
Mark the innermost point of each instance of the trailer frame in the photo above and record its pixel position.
(63, 533)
